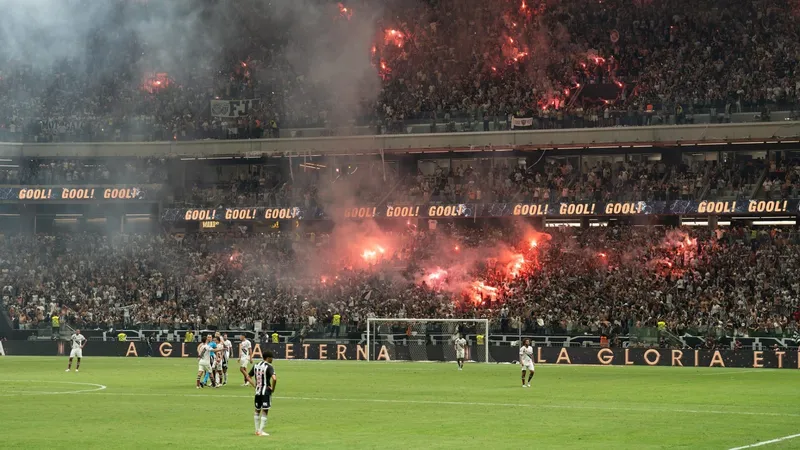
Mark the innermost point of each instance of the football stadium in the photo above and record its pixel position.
(424, 224)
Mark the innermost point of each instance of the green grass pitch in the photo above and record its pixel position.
(152, 403)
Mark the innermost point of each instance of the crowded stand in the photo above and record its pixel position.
(453, 181)
(616, 279)
(58, 171)
(365, 181)
(563, 64)
(532, 65)
(782, 181)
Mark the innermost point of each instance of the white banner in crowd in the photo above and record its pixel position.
(521, 122)
(232, 108)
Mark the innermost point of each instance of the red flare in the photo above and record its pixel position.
(515, 266)
(481, 290)
(394, 37)
(437, 275)
(345, 12)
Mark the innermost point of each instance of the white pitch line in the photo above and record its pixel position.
(772, 441)
(98, 387)
(735, 372)
(454, 403)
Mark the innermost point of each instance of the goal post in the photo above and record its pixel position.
(425, 339)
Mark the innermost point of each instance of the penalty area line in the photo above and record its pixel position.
(456, 403)
(771, 441)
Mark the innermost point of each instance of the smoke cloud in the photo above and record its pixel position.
(305, 51)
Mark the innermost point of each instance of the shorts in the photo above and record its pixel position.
(263, 402)
(216, 366)
(527, 366)
(204, 367)
(76, 353)
(460, 354)
(225, 364)
(244, 362)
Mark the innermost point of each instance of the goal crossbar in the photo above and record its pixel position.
(371, 336)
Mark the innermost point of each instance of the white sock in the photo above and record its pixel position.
(255, 420)
(263, 423)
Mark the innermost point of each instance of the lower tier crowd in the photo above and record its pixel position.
(597, 280)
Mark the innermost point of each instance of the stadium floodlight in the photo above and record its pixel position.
(426, 339)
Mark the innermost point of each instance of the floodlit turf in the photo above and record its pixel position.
(152, 403)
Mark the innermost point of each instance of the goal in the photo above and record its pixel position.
(425, 339)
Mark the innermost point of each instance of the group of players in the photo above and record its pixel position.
(215, 351)
(213, 355)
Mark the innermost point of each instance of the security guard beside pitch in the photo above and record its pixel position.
(55, 322)
(335, 323)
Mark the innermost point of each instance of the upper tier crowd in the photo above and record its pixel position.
(594, 280)
(435, 61)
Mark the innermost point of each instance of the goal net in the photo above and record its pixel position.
(426, 339)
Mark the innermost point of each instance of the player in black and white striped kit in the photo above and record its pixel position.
(262, 377)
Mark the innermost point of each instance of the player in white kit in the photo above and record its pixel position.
(526, 361)
(78, 342)
(216, 363)
(461, 350)
(225, 356)
(245, 358)
(204, 360)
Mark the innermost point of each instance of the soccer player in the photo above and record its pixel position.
(204, 359)
(219, 353)
(262, 377)
(78, 342)
(461, 350)
(526, 361)
(245, 358)
(212, 348)
(226, 356)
